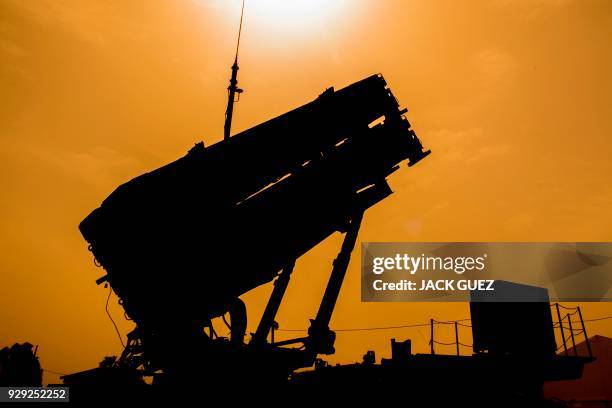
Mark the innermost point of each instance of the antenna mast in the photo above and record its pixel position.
(233, 89)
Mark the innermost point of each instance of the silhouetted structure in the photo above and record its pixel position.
(514, 355)
(180, 244)
(496, 318)
(19, 366)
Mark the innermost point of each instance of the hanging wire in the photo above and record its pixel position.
(53, 372)
(110, 292)
(408, 326)
(563, 307)
(563, 344)
(570, 314)
(451, 322)
(445, 344)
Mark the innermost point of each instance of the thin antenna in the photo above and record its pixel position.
(239, 30)
(233, 89)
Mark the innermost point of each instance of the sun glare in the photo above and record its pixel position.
(294, 14)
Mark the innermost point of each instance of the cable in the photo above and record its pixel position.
(595, 320)
(573, 329)
(383, 328)
(407, 326)
(111, 317)
(363, 328)
(106, 307)
(53, 372)
(566, 327)
(564, 344)
(563, 307)
(450, 322)
(571, 314)
(444, 344)
(443, 321)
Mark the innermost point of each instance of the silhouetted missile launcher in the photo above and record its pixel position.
(178, 243)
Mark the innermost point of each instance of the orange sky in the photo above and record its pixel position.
(513, 96)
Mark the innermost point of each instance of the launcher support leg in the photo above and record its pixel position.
(321, 338)
(269, 314)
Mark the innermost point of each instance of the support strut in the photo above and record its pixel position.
(269, 314)
(321, 337)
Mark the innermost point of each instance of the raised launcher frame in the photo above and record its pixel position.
(269, 194)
